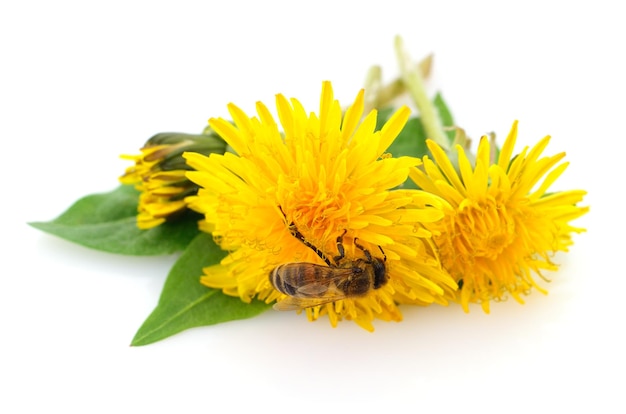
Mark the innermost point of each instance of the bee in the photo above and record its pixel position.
(309, 284)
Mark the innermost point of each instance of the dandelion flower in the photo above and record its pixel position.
(325, 176)
(501, 226)
(159, 174)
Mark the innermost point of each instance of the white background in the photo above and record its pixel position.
(82, 82)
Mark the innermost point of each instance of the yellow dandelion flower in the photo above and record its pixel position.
(501, 225)
(302, 196)
(159, 174)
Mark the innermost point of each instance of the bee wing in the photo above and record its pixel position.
(290, 303)
(314, 289)
(326, 287)
(320, 293)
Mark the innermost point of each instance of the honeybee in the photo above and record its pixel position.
(309, 284)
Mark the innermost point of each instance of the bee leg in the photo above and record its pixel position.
(304, 241)
(315, 249)
(296, 233)
(383, 252)
(366, 252)
(340, 249)
(291, 226)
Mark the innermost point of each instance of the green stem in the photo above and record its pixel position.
(415, 85)
(372, 88)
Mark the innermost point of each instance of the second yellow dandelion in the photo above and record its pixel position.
(501, 225)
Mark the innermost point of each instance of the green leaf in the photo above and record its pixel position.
(185, 303)
(445, 116)
(107, 222)
(411, 141)
(444, 112)
(383, 116)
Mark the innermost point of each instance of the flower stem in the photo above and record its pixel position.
(378, 95)
(414, 82)
(372, 86)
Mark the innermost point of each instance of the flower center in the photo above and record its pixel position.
(317, 218)
(318, 215)
(478, 229)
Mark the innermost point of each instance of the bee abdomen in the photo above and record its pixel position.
(298, 279)
(279, 282)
